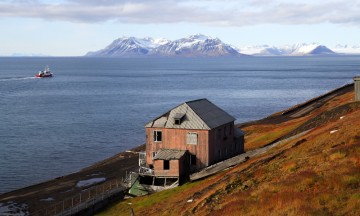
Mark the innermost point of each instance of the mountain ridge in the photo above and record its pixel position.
(200, 45)
(194, 45)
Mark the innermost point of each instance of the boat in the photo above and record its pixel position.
(44, 73)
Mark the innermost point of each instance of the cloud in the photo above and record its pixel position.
(209, 12)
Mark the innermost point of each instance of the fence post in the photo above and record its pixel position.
(72, 205)
(96, 193)
(102, 193)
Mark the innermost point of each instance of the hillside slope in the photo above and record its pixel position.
(316, 174)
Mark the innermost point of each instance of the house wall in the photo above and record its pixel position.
(173, 169)
(213, 146)
(177, 139)
(221, 145)
(240, 142)
(357, 88)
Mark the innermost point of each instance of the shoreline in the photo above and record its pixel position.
(47, 193)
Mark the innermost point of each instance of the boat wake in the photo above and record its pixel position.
(2, 79)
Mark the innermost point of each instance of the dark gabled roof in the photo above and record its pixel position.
(211, 114)
(197, 114)
(169, 154)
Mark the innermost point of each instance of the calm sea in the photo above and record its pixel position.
(94, 108)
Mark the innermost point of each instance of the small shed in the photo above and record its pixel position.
(170, 163)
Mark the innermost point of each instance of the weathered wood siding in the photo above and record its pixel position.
(177, 168)
(177, 139)
(222, 144)
(173, 170)
(213, 146)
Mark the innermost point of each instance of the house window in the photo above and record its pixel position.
(219, 134)
(177, 121)
(157, 136)
(153, 155)
(178, 117)
(192, 138)
(192, 159)
(166, 165)
(225, 133)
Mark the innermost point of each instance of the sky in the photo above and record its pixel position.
(75, 27)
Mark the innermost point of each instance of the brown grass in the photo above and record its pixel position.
(317, 174)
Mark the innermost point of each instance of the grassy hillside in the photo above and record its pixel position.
(316, 174)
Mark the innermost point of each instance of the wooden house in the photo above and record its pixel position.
(189, 137)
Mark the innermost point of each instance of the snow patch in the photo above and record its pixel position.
(252, 50)
(333, 131)
(190, 200)
(305, 48)
(342, 117)
(48, 199)
(95, 174)
(161, 41)
(89, 182)
(299, 49)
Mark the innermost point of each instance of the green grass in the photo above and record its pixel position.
(138, 204)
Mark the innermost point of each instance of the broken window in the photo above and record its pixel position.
(192, 138)
(177, 121)
(157, 136)
(153, 154)
(192, 159)
(178, 117)
(166, 165)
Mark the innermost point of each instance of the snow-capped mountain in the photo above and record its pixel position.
(287, 50)
(308, 49)
(194, 45)
(197, 45)
(261, 50)
(200, 45)
(130, 46)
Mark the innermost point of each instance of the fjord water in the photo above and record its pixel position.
(94, 108)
